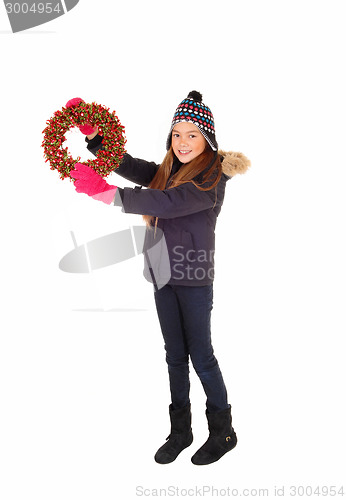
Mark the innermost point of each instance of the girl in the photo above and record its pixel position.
(182, 203)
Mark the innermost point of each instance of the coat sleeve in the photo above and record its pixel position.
(185, 199)
(133, 169)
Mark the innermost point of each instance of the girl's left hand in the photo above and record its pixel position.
(86, 129)
(89, 182)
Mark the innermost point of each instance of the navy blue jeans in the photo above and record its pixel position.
(184, 314)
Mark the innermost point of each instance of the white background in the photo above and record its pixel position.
(84, 389)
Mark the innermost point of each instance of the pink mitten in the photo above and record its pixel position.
(73, 102)
(86, 129)
(91, 183)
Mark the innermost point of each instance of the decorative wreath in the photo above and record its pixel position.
(108, 158)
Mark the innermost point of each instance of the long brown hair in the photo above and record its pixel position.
(187, 173)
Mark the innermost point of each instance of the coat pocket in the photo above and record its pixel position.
(188, 250)
(186, 240)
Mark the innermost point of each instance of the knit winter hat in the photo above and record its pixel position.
(192, 110)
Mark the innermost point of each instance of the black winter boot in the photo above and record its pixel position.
(222, 438)
(180, 436)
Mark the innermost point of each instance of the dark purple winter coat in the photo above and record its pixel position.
(181, 250)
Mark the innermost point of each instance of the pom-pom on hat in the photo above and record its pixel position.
(193, 110)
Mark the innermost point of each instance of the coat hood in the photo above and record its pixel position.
(234, 163)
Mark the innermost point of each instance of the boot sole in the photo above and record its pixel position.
(170, 460)
(207, 462)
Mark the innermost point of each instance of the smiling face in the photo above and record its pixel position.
(187, 141)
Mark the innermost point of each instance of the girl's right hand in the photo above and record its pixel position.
(86, 129)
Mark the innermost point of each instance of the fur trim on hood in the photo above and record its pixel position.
(234, 163)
